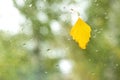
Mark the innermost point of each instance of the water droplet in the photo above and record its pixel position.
(95, 30)
(44, 0)
(46, 72)
(40, 8)
(64, 7)
(24, 44)
(89, 60)
(96, 50)
(56, 65)
(97, 4)
(99, 32)
(48, 49)
(95, 1)
(104, 64)
(72, 9)
(94, 36)
(106, 17)
(30, 5)
(69, 39)
(105, 13)
(93, 73)
(78, 14)
(101, 29)
(117, 65)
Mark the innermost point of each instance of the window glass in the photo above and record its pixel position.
(35, 40)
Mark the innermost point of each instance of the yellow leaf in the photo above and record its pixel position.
(81, 33)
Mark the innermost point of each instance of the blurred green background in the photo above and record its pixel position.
(44, 50)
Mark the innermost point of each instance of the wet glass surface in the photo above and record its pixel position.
(35, 41)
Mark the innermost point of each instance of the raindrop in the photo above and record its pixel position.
(93, 73)
(78, 14)
(69, 39)
(101, 29)
(104, 64)
(48, 49)
(30, 5)
(40, 8)
(117, 65)
(99, 32)
(46, 72)
(95, 30)
(89, 60)
(94, 36)
(105, 13)
(64, 7)
(97, 4)
(72, 9)
(56, 65)
(96, 50)
(22, 28)
(106, 17)
(24, 44)
(44, 0)
(95, 1)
